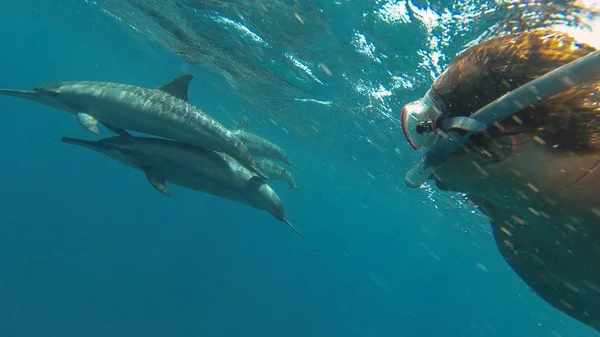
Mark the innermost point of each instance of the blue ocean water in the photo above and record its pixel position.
(88, 247)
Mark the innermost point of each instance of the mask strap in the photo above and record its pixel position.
(460, 124)
(437, 101)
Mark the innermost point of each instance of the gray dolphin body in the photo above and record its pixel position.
(164, 111)
(259, 146)
(276, 172)
(191, 167)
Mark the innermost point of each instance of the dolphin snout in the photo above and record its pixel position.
(46, 90)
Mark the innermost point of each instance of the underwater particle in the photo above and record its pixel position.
(482, 267)
(566, 304)
(550, 201)
(532, 187)
(532, 210)
(568, 81)
(506, 231)
(378, 281)
(480, 169)
(486, 153)
(435, 256)
(499, 127)
(571, 286)
(299, 18)
(325, 69)
(539, 140)
(510, 246)
(517, 120)
(518, 220)
(570, 227)
(592, 286)
(521, 195)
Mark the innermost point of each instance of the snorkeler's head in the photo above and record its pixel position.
(527, 147)
(485, 72)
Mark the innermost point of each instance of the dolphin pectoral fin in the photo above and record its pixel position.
(158, 182)
(118, 131)
(178, 87)
(254, 168)
(243, 124)
(88, 122)
(255, 183)
(260, 174)
(292, 226)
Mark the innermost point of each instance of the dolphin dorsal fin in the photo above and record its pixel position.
(243, 124)
(178, 87)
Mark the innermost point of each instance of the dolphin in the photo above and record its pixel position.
(259, 146)
(276, 172)
(191, 167)
(164, 112)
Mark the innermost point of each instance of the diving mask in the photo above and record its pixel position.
(418, 121)
(425, 121)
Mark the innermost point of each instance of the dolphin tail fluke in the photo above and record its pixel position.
(292, 226)
(27, 94)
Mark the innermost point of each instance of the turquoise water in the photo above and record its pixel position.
(89, 248)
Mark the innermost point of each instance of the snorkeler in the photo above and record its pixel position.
(514, 124)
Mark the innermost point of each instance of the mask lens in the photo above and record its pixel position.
(405, 126)
(415, 119)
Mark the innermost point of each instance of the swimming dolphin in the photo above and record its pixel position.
(276, 172)
(164, 111)
(191, 167)
(259, 146)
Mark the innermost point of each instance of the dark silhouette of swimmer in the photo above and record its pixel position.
(536, 174)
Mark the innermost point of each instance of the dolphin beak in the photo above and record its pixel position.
(26, 94)
(296, 167)
(80, 142)
(291, 226)
(44, 91)
(43, 96)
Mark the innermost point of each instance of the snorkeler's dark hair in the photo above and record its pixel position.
(569, 121)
